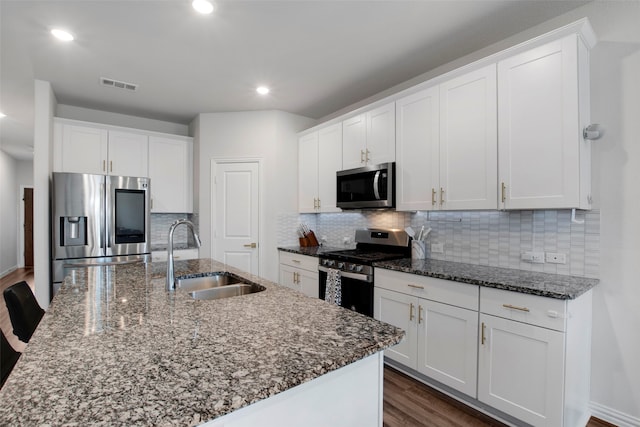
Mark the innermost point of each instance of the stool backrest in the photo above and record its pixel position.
(24, 311)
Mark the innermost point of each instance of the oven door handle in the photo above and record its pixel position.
(364, 277)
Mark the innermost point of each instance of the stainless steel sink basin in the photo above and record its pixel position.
(216, 285)
(227, 291)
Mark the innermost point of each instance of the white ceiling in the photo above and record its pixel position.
(317, 56)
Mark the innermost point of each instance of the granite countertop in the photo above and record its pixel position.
(115, 348)
(310, 250)
(528, 282)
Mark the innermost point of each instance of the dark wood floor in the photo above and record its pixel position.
(409, 403)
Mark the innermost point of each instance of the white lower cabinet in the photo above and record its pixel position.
(534, 357)
(299, 272)
(524, 355)
(441, 339)
(521, 370)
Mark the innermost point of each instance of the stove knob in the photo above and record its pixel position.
(331, 263)
(341, 265)
(352, 267)
(359, 268)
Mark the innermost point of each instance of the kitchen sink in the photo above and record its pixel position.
(216, 285)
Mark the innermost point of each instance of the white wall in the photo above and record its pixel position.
(45, 105)
(615, 104)
(8, 214)
(267, 135)
(116, 119)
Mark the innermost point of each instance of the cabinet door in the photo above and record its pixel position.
(289, 277)
(448, 345)
(468, 141)
(417, 139)
(308, 173)
(539, 127)
(381, 135)
(170, 167)
(521, 370)
(354, 135)
(329, 162)
(128, 154)
(308, 283)
(399, 310)
(80, 149)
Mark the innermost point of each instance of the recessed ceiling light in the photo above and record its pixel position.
(203, 6)
(262, 90)
(62, 35)
(2, 114)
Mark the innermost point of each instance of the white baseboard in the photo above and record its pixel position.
(613, 416)
(9, 270)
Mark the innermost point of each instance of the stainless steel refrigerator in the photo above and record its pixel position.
(98, 219)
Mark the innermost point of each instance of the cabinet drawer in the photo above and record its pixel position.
(532, 309)
(445, 291)
(299, 261)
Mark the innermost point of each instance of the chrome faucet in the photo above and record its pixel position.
(171, 280)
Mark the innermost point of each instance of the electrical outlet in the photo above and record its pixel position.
(437, 248)
(556, 258)
(533, 257)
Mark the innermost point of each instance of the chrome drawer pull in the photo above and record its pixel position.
(513, 307)
(415, 286)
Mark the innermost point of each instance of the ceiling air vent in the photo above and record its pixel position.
(118, 84)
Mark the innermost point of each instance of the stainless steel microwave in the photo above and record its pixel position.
(369, 187)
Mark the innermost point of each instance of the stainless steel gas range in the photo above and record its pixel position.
(356, 265)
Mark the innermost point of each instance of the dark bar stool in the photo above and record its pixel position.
(24, 311)
(9, 357)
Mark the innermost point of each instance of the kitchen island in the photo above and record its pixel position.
(115, 348)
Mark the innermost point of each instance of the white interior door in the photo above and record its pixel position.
(236, 211)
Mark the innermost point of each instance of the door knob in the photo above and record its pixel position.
(251, 245)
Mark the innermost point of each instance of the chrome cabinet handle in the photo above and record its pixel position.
(411, 316)
(441, 196)
(420, 314)
(483, 338)
(411, 285)
(366, 157)
(433, 197)
(251, 245)
(361, 156)
(504, 193)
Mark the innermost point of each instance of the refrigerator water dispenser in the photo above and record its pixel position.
(73, 230)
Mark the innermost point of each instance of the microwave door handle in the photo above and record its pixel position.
(376, 189)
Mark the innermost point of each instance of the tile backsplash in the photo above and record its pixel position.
(494, 238)
(160, 224)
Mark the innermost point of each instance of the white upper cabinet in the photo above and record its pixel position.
(369, 138)
(88, 148)
(417, 149)
(128, 154)
(80, 149)
(170, 170)
(543, 105)
(468, 141)
(446, 145)
(319, 158)
(308, 173)
(329, 162)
